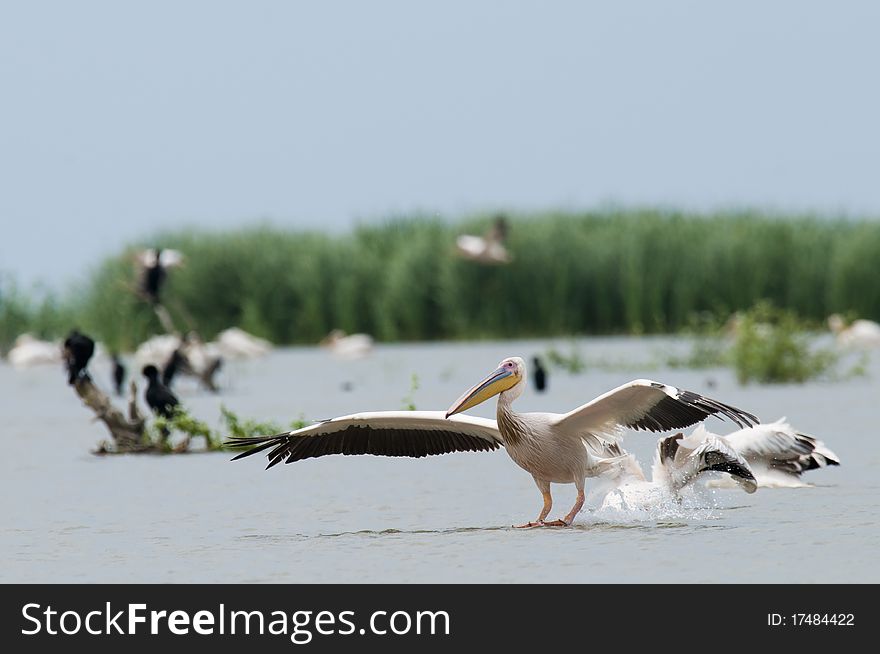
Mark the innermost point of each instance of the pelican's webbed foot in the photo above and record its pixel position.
(557, 523)
(529, 525)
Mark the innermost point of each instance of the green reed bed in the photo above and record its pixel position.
(603, 272)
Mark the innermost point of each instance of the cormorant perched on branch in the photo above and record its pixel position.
(78, 349)
(161, 400)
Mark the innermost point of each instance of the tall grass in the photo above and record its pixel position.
(593, 273)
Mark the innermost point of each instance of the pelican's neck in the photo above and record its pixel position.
(509, 423)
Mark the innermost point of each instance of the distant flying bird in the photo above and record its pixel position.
(159, 398)
(860, 334)
(554, 448)
(154, 264)
(540, 375)
(118, 374)
(78, 349)
(487, 249)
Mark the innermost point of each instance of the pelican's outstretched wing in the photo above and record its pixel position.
(778, 445)
(382, 433)
(646, 404)
(171, 258)
(679, 461)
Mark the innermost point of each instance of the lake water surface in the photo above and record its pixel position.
(71, 516)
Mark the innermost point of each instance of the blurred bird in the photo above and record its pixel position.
(29, 351)
(159, 398)
(153, 264)
(118, 374)
(539, 375)
(78, 349)
(177, 362)
(489, 248)
(235, 343)
(348, 346)
(860, 334)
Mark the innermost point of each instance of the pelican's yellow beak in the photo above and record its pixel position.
(499, 381)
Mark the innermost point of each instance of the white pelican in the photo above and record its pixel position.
(156, 350)
(487, 249)
(235, 343)
(861, 333)
(348, 346)
(29, 351)
(201, 359)
(776, 452)
(554, 448)
(678, 463)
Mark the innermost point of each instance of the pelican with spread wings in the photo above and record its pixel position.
(554, 448)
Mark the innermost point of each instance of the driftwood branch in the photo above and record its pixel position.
(127, 432)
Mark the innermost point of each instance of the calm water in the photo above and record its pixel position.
(70, 516)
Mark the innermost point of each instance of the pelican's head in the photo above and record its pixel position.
(509, 376)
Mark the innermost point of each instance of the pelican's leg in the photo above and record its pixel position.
(578, 505)
(544, 487)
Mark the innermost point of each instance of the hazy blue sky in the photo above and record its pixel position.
(121, 118)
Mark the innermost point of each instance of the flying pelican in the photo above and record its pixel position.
(153, 265)
(777, 453)
(861, 333)
(554, 448)
(488, 249)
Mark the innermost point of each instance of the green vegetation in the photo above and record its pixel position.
(767, 345)
(409, 402)
(182, 423)
(234, 426)
(594, 273)
(572, 363)
(771, 346)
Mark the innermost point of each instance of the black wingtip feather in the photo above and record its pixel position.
(688, 408)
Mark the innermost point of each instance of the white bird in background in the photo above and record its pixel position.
(348, 346)
(678, 463)
(29, 351)
(488, 249)
(190, 355)
(235, 343)
(776, 452)
(553, 448)
(156, 351)
(860, 334)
